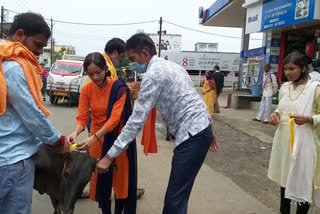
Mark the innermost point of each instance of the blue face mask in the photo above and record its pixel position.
(138, 68)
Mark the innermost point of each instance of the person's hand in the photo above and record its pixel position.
(133, 94)
(274, 119)
(72, 138)
(84, 145)
(134, 89)
(300, 119)
(103, 165)
(213, 147)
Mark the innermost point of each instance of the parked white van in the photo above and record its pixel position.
(65, 80)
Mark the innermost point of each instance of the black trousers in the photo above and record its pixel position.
(186, 162)
(302, 208)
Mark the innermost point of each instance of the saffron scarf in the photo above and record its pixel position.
(15, 51)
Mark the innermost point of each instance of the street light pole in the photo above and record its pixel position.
(2, 20)
(51, 48)
(160, 33)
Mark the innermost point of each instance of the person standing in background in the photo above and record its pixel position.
(270, 87)
(114, 54)
(44, 75)
(219, 80)
(209, 93)
(315, 74)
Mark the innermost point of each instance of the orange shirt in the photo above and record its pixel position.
(94, 98)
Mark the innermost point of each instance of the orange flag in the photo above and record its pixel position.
(149, 134)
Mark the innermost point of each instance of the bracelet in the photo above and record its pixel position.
(97, 137)
(62, 140)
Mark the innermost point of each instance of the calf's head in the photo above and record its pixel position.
(77, 173)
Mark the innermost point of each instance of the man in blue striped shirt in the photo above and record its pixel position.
(23, 125)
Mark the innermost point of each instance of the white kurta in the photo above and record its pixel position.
(280, 155)
(269, 85)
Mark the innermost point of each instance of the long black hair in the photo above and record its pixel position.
(301, 60)
(97, 59)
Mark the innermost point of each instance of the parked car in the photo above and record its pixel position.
(65, 80)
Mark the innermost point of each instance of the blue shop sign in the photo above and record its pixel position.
(279, 13)
(253, 52)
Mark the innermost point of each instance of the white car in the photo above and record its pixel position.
(65, 80)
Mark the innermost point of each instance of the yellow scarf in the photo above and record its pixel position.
(111, 67)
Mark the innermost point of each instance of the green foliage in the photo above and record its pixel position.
(124, 62)
(57, 55)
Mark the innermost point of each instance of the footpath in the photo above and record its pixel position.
(241, 119)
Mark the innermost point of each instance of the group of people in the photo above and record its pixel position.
(24, 126)
(212, 87)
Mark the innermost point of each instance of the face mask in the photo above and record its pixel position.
(138, 68)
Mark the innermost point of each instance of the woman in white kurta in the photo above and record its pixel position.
(293, 97)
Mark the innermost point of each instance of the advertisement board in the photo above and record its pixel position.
(205, 61)
(253, 18)
(169, 42)
(279, 13)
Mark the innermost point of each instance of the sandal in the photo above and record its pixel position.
(140, 193)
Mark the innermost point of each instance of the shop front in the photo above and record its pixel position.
(289, 25)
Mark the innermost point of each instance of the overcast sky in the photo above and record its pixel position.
(87, 39)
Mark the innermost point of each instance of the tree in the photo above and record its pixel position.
(57, 55)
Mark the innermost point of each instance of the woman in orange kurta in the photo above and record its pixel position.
(95, 96)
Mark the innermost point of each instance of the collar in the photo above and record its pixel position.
(152, 60)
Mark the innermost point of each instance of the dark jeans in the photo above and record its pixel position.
(186, 163)
(44, 87)
(302, 208)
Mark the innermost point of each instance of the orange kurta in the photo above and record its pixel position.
(94, 98)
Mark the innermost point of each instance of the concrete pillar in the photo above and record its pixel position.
(244, 47)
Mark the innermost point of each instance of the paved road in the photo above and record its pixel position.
(213, 192)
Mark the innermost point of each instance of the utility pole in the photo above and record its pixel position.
(160, 33)
(2, 20)
(51, 48)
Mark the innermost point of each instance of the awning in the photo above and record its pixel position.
(225, 13)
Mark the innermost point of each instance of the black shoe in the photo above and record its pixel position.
(255, 119)
(265, 122)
